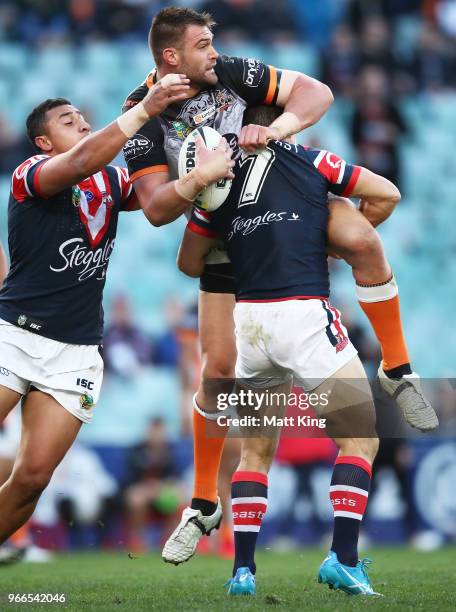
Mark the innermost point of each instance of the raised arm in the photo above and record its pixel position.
(304, 101)
(98, 149)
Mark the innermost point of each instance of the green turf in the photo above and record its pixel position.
(110, 582)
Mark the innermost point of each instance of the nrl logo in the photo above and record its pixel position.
(22, 320)
(86, 401)
(182, 129)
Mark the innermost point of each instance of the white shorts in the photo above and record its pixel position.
(71, 373)
(300, 338)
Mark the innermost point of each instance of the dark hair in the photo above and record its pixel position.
(36, 121)
(169, 25)
(261, 115)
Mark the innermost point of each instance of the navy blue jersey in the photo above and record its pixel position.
(59, 250)
(274, 220)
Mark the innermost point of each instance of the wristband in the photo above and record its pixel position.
(190, 185)
(131, 121)
(286, 124)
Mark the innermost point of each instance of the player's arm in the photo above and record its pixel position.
(163, 201)
(198, 240)
(304, 101)
(378, 196)
(98, 149)
(194, 248)
(3, 265)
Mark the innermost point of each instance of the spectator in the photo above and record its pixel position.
(167, 348)
(376, 48)
(377, 125)
(153, 491)
(434, 62)
(340, 62)
(14, 147)
(241, 18)
(126, 347)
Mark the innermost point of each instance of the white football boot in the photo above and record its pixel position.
(409, 396)
(182, 543)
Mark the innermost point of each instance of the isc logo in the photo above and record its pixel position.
(86, 384)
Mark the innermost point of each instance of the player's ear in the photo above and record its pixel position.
(43, 143)
(171, 56)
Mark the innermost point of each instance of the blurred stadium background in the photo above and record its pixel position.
(392, 67)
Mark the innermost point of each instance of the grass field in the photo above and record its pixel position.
(111, 582)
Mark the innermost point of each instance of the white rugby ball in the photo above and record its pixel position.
(214, 195)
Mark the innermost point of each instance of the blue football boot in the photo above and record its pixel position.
(351, 580)
(243, 583)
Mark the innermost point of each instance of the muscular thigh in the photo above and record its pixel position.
(48, 431)
(216, 329)
(345, 224)
(347, 404)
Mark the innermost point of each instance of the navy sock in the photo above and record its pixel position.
(249, 493)
(349, 492)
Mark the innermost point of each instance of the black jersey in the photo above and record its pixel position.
(59, 249)
(241, 83)
(275, 218)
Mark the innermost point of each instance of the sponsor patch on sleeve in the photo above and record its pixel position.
(253, 72)
(137, 146)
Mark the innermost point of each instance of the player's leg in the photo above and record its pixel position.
(19, 542)
(218, 348)
(8, 399)
(228, 465)
(249, 490)
(351, 236)
(48, 431)
(218, 353)
(350, 421)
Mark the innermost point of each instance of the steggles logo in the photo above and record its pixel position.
(85, 261)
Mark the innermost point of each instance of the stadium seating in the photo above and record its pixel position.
(420, 237)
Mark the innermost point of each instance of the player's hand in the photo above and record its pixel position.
(253, 137)
(171, 88)
(214, 165)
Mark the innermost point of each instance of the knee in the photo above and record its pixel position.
(218, 365)
(32, 480)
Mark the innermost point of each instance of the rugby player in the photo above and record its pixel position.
(286, 327)
(221, 89)
(181, 40)
(62, 221)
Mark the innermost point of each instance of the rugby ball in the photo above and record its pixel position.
(214, 195)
